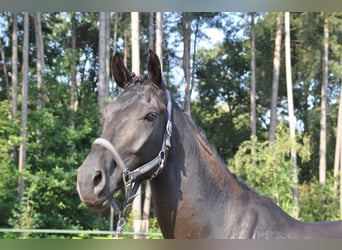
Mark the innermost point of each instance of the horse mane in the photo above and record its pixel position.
(199, 131)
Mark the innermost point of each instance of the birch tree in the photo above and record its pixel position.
(292, 119)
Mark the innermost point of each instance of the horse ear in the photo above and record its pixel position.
(120, 72)
(154, 68)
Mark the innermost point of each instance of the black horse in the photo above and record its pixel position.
(147, 136)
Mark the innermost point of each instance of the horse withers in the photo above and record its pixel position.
(147, 136)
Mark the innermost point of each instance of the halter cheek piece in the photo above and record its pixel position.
(133, 179)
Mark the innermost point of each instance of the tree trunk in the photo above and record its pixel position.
(323, 121)
(40, 58)
(338, 145)
(196, 34)
(253, 80)
(73, 71)
(4, 67)
(292, 119)
(115, 33)
(23, 133)
(136, 207)
(14, 75)
(126, 38)
(151, 31)
(102, 84)
(275, 80)
(186, 25)
(107, 53)
(159, 37)
(40, 69)
(135, 43)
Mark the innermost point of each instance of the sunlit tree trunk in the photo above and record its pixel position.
(292, 119)
(14, 75)
(253, 80)
(23, 133)
(4, 67)
(107, 52)
(338, 145)
(159, 37)
(136, 207)
(323, 121)
(275, 79)
(115, 33)
(126, 39)
(40, 68)
(73, 71)
(103, 83)
(186, 25)
(40, 58)
(151, 31)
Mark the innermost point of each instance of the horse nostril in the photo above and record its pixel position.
(97, 178)
(99, 182)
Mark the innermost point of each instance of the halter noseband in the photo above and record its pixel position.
(133, 179)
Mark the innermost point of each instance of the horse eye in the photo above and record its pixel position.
(151, 117)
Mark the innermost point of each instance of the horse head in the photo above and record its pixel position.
(134, 140)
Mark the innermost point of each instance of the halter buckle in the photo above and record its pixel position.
(127, 178)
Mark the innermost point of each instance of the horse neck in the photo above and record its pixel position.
(195, 181)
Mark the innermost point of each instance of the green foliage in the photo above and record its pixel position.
(319, 202)
(9, 130)
(221, 108)
(269, 170)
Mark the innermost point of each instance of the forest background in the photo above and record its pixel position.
(274, 117)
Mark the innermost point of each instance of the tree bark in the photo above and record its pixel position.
(275, 79)
(151, 31)
(115, 33)
(73, 71)
(253, 80)
(23, 133)
(323, 120)
(186, 25)
(102, 84)
(4, 67)
(292, 119)
(159, 37)
(107, 53)
(40, 58)
(338, 145)
(40, 68)
(14, 75)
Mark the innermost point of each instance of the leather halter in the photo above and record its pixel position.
(132, 179)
